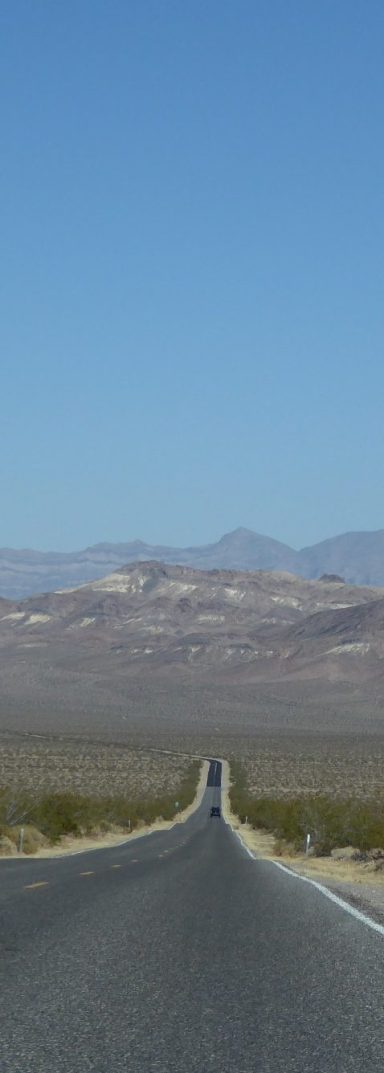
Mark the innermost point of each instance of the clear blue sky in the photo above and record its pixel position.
(192, 269)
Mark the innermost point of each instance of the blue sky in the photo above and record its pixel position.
(192, 272)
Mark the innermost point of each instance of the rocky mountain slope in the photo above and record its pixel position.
(356, 557)
(152, 629)
(152, 609)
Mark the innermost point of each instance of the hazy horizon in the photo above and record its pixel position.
(172, 543)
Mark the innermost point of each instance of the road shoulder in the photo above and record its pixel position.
(357, 883)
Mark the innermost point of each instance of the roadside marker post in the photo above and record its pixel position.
(21, 839)
(307, 843)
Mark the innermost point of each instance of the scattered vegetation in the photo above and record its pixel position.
(50, 764)
(296, 765)
(47, 816)
(331, 820)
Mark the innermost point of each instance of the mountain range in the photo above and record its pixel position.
(156, 644)
(358, 558)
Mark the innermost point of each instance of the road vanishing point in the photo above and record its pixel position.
(179, 953)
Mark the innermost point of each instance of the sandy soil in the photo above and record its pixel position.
(69, 845)
(358, 883)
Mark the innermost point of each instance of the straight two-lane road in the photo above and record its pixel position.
(178, 952)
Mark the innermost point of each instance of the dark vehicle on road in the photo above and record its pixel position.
(215, 810)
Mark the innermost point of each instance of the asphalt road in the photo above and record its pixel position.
(180, 953)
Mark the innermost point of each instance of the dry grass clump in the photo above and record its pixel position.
(82, 766)
(33, 839)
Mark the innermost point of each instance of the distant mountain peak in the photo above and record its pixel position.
(241, 534)
(356, 556)
(241, 530)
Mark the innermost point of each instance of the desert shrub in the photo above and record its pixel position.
(58, 814)
(330, 821)
(14, 806)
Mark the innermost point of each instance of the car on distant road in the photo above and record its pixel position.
(215, 810)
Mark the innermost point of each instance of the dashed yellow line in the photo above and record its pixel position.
(34, 886)
(45, 883)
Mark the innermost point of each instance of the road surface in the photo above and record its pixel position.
(180, 954)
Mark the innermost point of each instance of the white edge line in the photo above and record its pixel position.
(356, 913)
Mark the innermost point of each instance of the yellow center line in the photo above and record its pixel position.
(33, 886)
(115, 865)
(86, 873)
